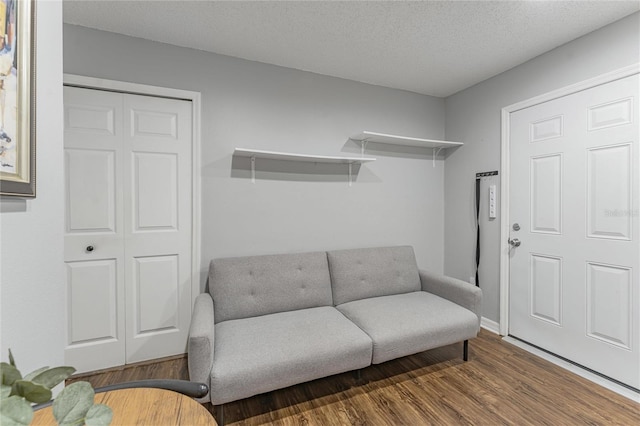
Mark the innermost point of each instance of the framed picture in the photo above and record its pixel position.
(17, 98)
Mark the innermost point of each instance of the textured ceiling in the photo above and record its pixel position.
(430, 47)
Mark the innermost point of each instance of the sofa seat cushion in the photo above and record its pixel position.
(405, 324)
(261, 354)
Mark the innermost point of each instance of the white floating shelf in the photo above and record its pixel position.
(367, 136)
(273, 155)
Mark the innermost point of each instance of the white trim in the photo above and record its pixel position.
(126, 87)
(196, 179)
(196, 205)
(504, 223)
(490, 325)
(505, 169)
(612, 386)
(574, 88)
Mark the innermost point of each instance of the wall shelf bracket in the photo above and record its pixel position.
(253, 169)
(436, 151)
(363, 146)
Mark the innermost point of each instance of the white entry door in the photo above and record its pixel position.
(128, 227)
(574, 192)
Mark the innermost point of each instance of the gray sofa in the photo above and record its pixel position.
(269, 322)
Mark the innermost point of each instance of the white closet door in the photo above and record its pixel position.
(94, 229)
(129, 191)
(157, 172)
(574, 285)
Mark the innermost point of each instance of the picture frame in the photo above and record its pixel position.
(17, 98)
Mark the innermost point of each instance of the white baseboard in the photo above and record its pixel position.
(490, 325)
(620, 390)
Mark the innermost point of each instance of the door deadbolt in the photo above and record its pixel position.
(516, 226)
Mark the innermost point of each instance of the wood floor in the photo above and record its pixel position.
(500, 384)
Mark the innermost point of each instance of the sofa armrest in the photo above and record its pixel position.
(455, 290)
(201, 341)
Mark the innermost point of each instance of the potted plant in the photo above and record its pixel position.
(74, 405)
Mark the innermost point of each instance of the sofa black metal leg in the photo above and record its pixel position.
(465, 350)
(220, 414)
(358, 374)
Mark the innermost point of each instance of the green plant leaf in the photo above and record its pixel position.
(15, 411)
(34, 373)
(9, 373)
(33, 392)
(12, 361)
(53, 376)
(5, 391)
(72, 404)
(98, 415)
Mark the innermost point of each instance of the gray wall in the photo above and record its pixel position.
(473, 116)
(292, 207)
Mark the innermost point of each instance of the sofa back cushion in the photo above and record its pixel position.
(363, 273)
(244, 287)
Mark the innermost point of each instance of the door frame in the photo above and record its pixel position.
(505, 168)
(85, 82)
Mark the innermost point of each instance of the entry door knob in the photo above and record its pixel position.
(514, 242)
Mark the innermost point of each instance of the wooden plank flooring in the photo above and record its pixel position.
(500, 385)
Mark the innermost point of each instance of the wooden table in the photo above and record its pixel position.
(144, 406)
